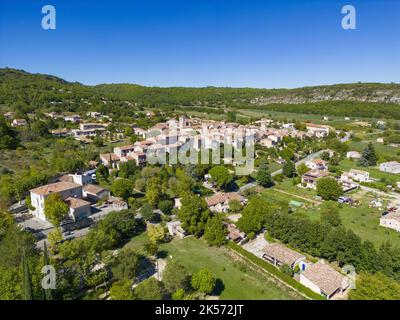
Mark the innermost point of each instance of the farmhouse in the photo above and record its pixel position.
(356, 175)
(278, 255)
(219, 202)
(64, 189)
(318, 130)
(317, 164)
(323, 279)
(310, 179)
(390, 167)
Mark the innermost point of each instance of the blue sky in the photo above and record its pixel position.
(270, 43)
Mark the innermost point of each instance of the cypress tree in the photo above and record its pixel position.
(47, 292)
(26, 279)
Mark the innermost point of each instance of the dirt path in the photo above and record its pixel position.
(272, 277)
(296, 196)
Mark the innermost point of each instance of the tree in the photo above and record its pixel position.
(166, 206)
(98, 141)
(55, 209)
(329, 189)
(204, 281)
(330, 214)
(46, 261)
(156, 233)
(369, 156)
(175, 277)
(151, 248)
(122, 188)
(231, 116)
(193, 214)
(153, 191)
(26, 279)
(127, 169)
(147, 212)
(215, 231)
(10, 283)
(289, 169)
(302, 169)
(150, 289)
(264, 177)
(126, 264)
(253, 215)
(121, 290)
(8, 137)
(102, 172)
(286, 269)
(221, 176)
(325, 156)
(55, 237)
(235, 206)
(287, 154)
(178, 295)
(375, 287)
(14, 244)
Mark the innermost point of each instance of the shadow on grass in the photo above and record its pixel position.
(219, 287)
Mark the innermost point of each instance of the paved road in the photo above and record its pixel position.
(381, 193)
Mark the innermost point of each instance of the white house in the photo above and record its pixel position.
(353, 155)
(64, 189)
(72, 118)
(317, 164)
(390, 167)
(79, 209)
(391, 220)
(18, 123)
(324, 280)
(356, 175)
(318, 130)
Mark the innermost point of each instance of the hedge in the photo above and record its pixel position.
(275, 271)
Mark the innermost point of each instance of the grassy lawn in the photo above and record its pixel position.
(380, 148)
(364, 221)
(239, 281)
(375, 173)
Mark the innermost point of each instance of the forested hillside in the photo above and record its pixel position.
(26, 92)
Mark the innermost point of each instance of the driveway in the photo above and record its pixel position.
(256, 245)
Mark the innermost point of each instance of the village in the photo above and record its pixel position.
(89, 199)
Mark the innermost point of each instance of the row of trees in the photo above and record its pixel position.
(326, 238)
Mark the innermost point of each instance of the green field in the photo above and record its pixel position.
(238, 281)
(375, 173)
(364, 221)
